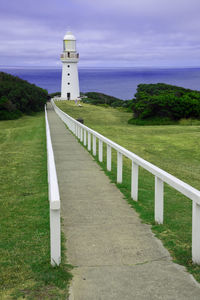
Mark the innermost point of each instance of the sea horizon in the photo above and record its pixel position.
(98, 67)
(120, 82)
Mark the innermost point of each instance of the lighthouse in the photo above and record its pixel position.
(69, 59)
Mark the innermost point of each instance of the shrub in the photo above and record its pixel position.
(18, 96)
(100, 98)
(55, 94)
(165, 101)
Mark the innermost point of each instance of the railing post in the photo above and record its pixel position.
(196, 233)
(89, 141)
(159, 197)
(76, 129)
(70, 125)
(94, 145)
(108, 157)
(55, 237)
(134, 181)
(81, 134)
(100, 150)
(119, 167)
(84, 141)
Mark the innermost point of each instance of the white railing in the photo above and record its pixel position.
(85, 134)
(67, 55)
(54, 201)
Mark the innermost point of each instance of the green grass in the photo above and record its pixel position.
(152, 121)
(25, 270)
(173, 148)
(163, 121)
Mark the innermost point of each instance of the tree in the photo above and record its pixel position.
(18, 96)
(165, 101)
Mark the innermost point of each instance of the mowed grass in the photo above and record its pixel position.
(175, 149)
(25, 270)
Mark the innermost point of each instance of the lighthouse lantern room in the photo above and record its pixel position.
(69, 59)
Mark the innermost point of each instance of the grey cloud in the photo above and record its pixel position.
(123, 32)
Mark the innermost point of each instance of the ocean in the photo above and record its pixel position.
(121, 83)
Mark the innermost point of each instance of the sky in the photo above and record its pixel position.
(110, 33)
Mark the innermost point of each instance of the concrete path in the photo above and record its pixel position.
(116, 257)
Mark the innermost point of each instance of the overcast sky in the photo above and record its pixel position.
(110, 33)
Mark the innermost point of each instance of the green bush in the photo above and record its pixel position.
(106, 100)
(55, 94)
(165, 101)
(6, 115)
(18, 96)
(100, 98)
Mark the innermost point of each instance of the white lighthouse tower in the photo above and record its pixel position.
(69, 59)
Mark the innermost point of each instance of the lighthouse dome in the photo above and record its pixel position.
(69, 36)
(69, 42)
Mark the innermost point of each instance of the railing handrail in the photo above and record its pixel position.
(171, 180)
(54, 195)
(54, 200)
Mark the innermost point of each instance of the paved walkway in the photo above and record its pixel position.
(116, 257)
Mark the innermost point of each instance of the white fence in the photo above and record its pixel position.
(54, 201)
(85, 134)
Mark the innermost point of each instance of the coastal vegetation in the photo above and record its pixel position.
(164, 104)
(154, 104)
(55, 94)
(18, 97)
(173, 148)
(25, 270)
(105, 100)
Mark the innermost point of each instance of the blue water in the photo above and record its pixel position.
(121, 83)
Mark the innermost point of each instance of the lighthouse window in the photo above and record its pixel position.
(68, 66)
(68, 74)
(68, 83)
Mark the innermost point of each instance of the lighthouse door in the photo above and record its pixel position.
(68, 96)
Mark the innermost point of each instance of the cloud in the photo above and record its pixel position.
(109, 33)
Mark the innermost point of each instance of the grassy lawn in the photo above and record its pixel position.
(173, 148)
(25, 270)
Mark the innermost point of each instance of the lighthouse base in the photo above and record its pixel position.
(56, 98)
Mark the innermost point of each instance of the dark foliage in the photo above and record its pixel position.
(19, 97)
(106, 100)
(165, 101)
(55, 94)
